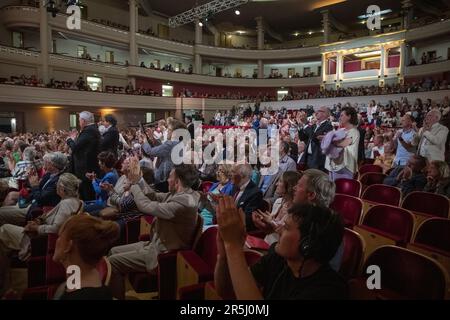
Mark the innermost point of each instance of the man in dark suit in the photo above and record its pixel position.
(312, 136)
(85, 149)
(110, 139)
(190, 125)
(246, 194)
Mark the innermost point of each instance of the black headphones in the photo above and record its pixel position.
(308, 242)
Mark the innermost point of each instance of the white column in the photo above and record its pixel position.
(260, 32)
(324, 67)
(326, 25)
(198, 32)
(260, 69)
(133, 28)
(404, 60)
(339, 68)
(198, 41)
(43, 30)
(382, 64)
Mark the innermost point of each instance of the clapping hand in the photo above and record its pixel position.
(106, 186)
(134, 174)
(231, 222)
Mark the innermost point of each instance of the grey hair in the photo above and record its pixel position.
(319, 183)
(57, 159)
(245, 171)
(437, 113)
(70, 184)
(87, 116)
(29, 153)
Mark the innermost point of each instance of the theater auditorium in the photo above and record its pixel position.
(224, 150)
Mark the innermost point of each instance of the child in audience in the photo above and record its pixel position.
(387, 158)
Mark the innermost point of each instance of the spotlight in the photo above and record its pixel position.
(237, 12)
(200, 24)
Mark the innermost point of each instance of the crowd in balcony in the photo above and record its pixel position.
(426, 84)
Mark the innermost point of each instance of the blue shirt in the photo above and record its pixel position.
(402, 156)
(102, 195)
(265, 184)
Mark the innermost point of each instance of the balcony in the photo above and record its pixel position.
(426, 69)
(221, 81)
(44, 96)
(20, 16)
(429, 31)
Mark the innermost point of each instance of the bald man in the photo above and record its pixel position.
(433, 137)
(313, 135)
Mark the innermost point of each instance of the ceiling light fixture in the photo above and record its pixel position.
(237, 12)
(200, 24)
(367, 54)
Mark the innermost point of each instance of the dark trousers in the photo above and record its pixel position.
(87, 192)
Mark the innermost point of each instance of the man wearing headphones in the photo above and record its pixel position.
(297, 267)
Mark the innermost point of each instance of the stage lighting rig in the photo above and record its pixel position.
(204, 11)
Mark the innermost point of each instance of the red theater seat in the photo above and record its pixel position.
(383, 194)
(385, 225)
(163, 278)
(206, 290)
(404, 275)
(369, 168)
(194, 266)
(349, 187)
(206, 185)
(353, 254)
(371, 178)
(433, 240)
(428, 203)
(350, 209)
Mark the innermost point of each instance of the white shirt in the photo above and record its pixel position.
(241, 191)
(317, 127)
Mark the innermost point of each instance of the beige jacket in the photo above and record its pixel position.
(432, 143)
(176, 216)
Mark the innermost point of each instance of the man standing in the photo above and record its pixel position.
(433, 137)
(85, 149)
(313, 136)
(405, 141)
(110, 139)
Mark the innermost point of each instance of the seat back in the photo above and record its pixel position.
(369, 168)
(206, 185)
(349, 187)
(434, 232)
(395, 221)
(370, 178)
(426, 202)
(198, 231)
(408, 274)
(383, 194)
(353, 254)
(350, 209)
(104, 269)
(206, 247)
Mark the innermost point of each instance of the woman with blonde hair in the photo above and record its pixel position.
(223, 186)
(83, 241)
(438, 178)
(15, 238)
